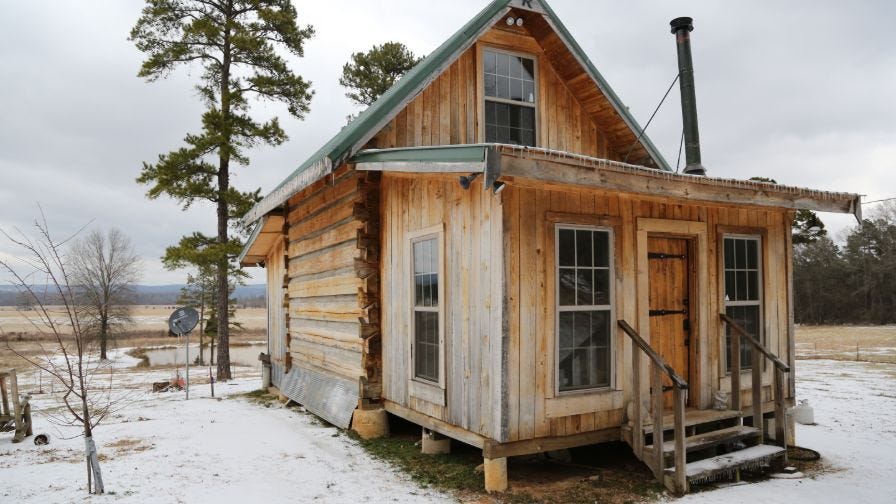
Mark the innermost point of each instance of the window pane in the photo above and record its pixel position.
(503, 87)
(582, 329)
(730, 285)
(752, 255)
(602, 287)
(753, 285)
(528, 92)
(585, 287)
(528, 69)
(491, 85)
(748, 318)
(567, 250)
(584, 254)
(527, 137)
(585, 364)
(564, 364)
(516, 67)
(504, 135)
(418, 290)
(491, 113)
(503, 114)
(567, 322)
(741, 285)
(503, 64)
(491, 62)
(516, 90)
(602, 249)
(426, 345)
(567, 282)
(527, 118)
(418, 258)
(740, 254)
(729, 253)
(600, 328)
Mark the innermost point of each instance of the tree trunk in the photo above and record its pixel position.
(223, 214)
(104, 334)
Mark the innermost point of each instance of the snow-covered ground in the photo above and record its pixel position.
(855, 413)
(165, 449)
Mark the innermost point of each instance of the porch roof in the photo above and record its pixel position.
(521, 165)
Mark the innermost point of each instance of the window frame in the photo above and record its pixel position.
(760, 239)
(610, 308)
(419, 387)
(481, 85)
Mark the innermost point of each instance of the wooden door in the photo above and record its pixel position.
(670, 290)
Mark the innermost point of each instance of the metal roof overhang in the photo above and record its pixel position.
(540, 167)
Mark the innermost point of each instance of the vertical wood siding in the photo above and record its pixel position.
(447, 112)
(473, 237)
(528, 247)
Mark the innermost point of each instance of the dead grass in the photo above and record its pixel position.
(852, 343)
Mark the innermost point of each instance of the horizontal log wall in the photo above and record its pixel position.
(333, 279)
(449, 111)
(472, 302)
(531, 298)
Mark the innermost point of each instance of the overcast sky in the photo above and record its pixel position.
(800, 91)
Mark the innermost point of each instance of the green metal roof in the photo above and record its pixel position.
(353, 137)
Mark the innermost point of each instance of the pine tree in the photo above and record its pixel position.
(235, 43)
(370, 74)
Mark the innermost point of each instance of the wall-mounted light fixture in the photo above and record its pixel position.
(467, 180)
(498, 187)
(511, 21)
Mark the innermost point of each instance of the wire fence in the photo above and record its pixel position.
(845, 352)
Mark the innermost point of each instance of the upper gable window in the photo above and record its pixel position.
(509, 98)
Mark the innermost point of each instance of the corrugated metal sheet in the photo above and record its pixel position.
(330, 398)
(276, 374)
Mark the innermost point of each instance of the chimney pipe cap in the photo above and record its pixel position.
(682, 23)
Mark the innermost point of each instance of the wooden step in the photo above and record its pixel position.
(693, 417)
(726, 465)
(710, 439)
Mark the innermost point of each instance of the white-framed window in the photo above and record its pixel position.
(510, 97)
(426, 307)
(584, 274)
(743, 292)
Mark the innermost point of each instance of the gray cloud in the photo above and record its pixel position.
(799, 91)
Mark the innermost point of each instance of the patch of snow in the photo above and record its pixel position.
(855, 432)
(162, 449)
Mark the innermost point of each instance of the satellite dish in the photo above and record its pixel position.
(183, 320)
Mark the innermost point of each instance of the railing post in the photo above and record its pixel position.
(637, 418)
(735, 368)
(681, 481)
(780, 420)
(656, 385)
(757, 394)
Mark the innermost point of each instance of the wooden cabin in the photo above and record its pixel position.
(494, 252)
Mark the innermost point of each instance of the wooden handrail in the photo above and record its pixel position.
(677, 380)
(756, 344)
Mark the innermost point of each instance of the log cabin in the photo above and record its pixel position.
(495, 250)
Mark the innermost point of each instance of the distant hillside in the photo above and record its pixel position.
(251, 295)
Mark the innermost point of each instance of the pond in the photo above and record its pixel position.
(242, 355)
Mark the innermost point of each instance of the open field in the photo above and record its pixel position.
(147, 318)
(852, 343)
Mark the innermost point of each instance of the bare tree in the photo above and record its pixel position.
(70, 357)
(105, 269)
